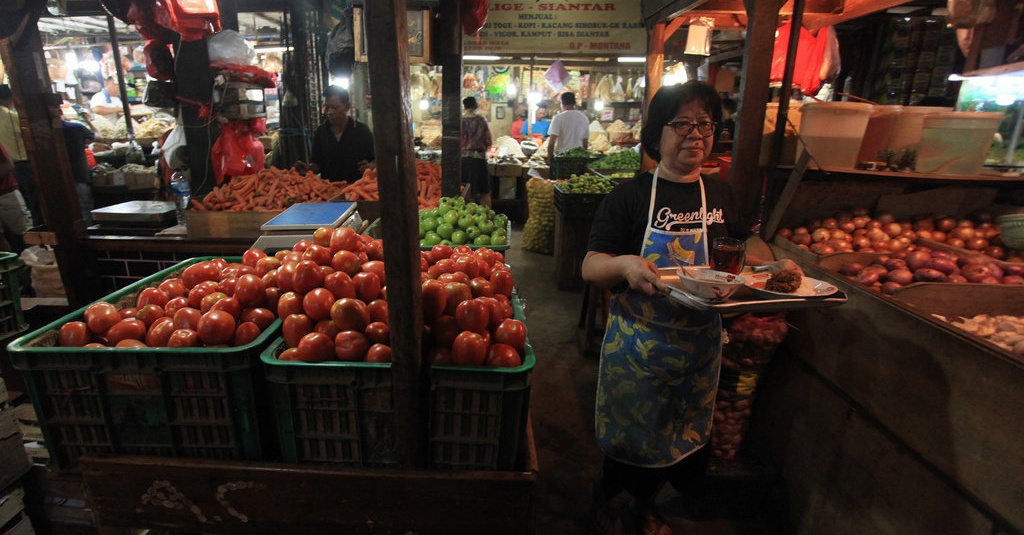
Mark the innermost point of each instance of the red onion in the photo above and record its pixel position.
(890, 288)
(929, 275)
(900, 276)
(916, 259)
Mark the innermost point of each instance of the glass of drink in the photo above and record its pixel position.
(728, 255)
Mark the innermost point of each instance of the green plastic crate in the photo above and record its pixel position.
(343, 412)
(178, 402)
(11, 317)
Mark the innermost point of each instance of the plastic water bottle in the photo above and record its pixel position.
(182, 194)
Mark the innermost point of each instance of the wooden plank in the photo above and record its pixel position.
(449, 52)
(396, 174)
(236, 497)
(787, 195)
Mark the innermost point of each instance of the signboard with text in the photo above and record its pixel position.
(561, 27)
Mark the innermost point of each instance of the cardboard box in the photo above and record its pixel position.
(113, 178)
(140, 180)
(508, 169)
(227, 224)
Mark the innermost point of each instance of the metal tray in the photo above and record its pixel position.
(744, 299)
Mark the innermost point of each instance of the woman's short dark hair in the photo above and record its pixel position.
(469, 103)
(336, 91)
(666, 104)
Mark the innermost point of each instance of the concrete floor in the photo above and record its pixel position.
(562, 405)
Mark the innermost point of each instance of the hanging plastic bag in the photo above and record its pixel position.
(159, 61)
(173, 148)
(231, 48)
(474, 16)
(46, 281)
(238, 151)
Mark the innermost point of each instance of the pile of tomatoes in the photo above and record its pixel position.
(213, 303)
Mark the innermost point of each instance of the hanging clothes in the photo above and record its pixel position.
(810, 55)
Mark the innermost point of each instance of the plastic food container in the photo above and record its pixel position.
(907, 130)
(832, 131)
(955, 143)
(879, 132)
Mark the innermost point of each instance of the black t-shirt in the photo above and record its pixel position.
(339, 158)
(621, 219)
(76, 137)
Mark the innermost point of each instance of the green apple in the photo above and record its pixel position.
(482, 239)
(444, 230)
(486, 227)
(472, 232)
(459, 237)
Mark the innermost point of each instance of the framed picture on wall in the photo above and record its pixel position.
(418, 26)
(499, 113)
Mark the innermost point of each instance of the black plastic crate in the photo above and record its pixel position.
(577, 205)
(11, 317)
(563, 168)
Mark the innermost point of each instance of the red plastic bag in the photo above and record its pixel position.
(237, 151)
(159, 61)
(474, 16)
(140, 13)
(192, 19)
(810, 54)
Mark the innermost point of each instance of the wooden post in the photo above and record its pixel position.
(115, 49)
(787, 81)
(655, 67)
(39, 111)
(449, 53)
(745, 176)
(396, 174)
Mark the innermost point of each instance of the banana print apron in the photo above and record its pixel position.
(659, 361)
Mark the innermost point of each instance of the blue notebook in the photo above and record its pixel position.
(310, 216)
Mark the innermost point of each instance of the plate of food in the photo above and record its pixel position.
(788, 283)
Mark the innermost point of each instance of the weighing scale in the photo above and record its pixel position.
(299, 221)
(135, 217)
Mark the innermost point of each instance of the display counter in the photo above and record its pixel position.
(883, 418)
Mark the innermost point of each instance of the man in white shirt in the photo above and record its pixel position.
(108, 102)
(569, 129)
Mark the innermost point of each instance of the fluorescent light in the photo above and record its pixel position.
(632, 59)
(273, 49)
(534, 98)
(1005, 100)
(71, 59)
(90, 65)
(472, 57)
(956, 78)
(341, 82)
(511, 90)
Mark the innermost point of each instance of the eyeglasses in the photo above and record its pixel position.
(683, 128)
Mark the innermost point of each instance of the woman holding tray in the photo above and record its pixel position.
(659, 360)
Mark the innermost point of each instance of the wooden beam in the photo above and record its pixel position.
(852, 10)
(449, 54)
(396, 173)
(655, 69)
(745, 177)
(782, 118)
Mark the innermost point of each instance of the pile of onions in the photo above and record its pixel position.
(889, 273)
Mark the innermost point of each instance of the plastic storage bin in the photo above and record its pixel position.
(11, 318)
(343, 412)
(878, 133)
(956, 143)
(832, 131)
(907, 131)
(790, 145)
(177, 402)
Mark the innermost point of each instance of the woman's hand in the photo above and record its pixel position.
(642, 275)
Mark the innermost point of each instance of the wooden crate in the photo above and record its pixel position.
(227, 224)
(571, 235)
(13, 460)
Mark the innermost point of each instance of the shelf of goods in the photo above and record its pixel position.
(890, 371)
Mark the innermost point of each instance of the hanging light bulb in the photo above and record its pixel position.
(598, 105)
(424, 104)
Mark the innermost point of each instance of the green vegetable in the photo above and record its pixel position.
(578, 152)
(626, 159)
(461, 222)
(586, 184)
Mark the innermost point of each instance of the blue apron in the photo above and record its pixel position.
(659, 361)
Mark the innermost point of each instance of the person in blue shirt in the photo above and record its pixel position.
(541, 126)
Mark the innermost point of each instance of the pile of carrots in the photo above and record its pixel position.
(428, 190)
(269, 189)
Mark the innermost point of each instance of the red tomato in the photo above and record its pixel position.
(187, 318)
(219, 263)
(504, 356)
(124, 329)
(327, 270)
(472, 315)
(495, 312)
(160, 332)
(216, 327)
(376, 267)
(149, 313)
(469, 349)
(378, 309)
(455, 276)
(350, 314)
(307, 276)
(511, 332)
(315, 347)
(446, 265)
(262, 317)
(201, 271)
(340, 285)
(265, 265)
(183, 338)
(378, 353)
(129, 342)
(294, 327)
(173, 287)
(434, 271)
(288, 354)
(439, 356)
(229, 305)
(501, 282)
(443, 330)
(301, 245)
(228, 285)
(251, 257)
(249, 290)
(485, 270)
(245, 333)
(281, 254)
(456, 293)
(94, 344)
(208, 300)
(289, 303)
(378, 332)
(346, 261)
(351, 346)
(73, 334)
(292, 257)
(375, 250)
(467, 265)
(100, 317)
(434, 299)
(151, 296)
(273, 297)
(269, 279)
(322, 236)
(481, 287)
(327, 327)
(424, 261)
(367, 286)
(128, 312)
(201, 290)
(439, 252)
(317, 303)
(174, 305)
(319, 254)
(343, 239)
(285, 276)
